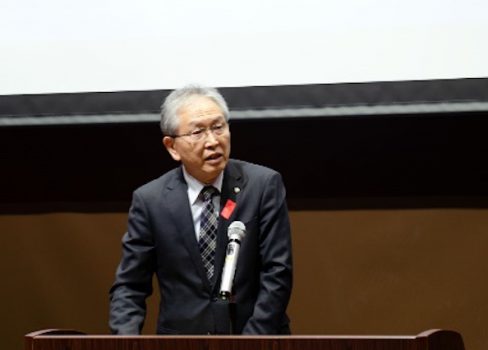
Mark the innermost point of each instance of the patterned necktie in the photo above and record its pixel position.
(208, 230)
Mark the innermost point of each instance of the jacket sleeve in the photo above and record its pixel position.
(269, 314)
(133, 280)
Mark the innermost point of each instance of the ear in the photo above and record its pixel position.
(169, 144)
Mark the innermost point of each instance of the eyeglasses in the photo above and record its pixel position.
(199, 134)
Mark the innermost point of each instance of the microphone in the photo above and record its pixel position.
(235, 232)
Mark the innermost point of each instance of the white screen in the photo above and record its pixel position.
(55, 46)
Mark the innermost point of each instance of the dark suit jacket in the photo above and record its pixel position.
(161, 239)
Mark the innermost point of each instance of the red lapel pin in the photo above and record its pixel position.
(228, 209)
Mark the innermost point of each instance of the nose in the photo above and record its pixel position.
(210, 138)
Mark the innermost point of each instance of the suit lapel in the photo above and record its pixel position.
(181, 214)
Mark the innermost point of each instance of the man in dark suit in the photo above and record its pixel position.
(177, 229)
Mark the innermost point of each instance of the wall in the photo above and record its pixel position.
(356, 272)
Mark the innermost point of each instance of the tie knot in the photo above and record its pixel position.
(208, 192)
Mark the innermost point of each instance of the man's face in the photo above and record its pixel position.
(206, 158)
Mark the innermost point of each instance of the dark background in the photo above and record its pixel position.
(370, 145)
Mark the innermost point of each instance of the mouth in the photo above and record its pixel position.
(214, 158)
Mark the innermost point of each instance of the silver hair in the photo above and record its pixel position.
(179, 98)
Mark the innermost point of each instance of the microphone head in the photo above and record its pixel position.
(236, 230)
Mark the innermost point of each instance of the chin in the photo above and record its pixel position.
(212, 174)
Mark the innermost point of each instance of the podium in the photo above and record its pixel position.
(73, 340)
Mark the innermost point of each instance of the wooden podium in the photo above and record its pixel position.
(74, 340)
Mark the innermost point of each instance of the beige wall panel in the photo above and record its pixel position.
(358, 271)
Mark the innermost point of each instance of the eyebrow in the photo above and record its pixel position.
(213, 121)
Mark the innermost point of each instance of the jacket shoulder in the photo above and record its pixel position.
(159, 184)
(252, 169)
(254, 174)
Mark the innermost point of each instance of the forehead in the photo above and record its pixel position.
(199, 109)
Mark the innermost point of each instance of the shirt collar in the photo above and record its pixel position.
(195, 186)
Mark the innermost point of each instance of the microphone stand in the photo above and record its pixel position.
(226, 297)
